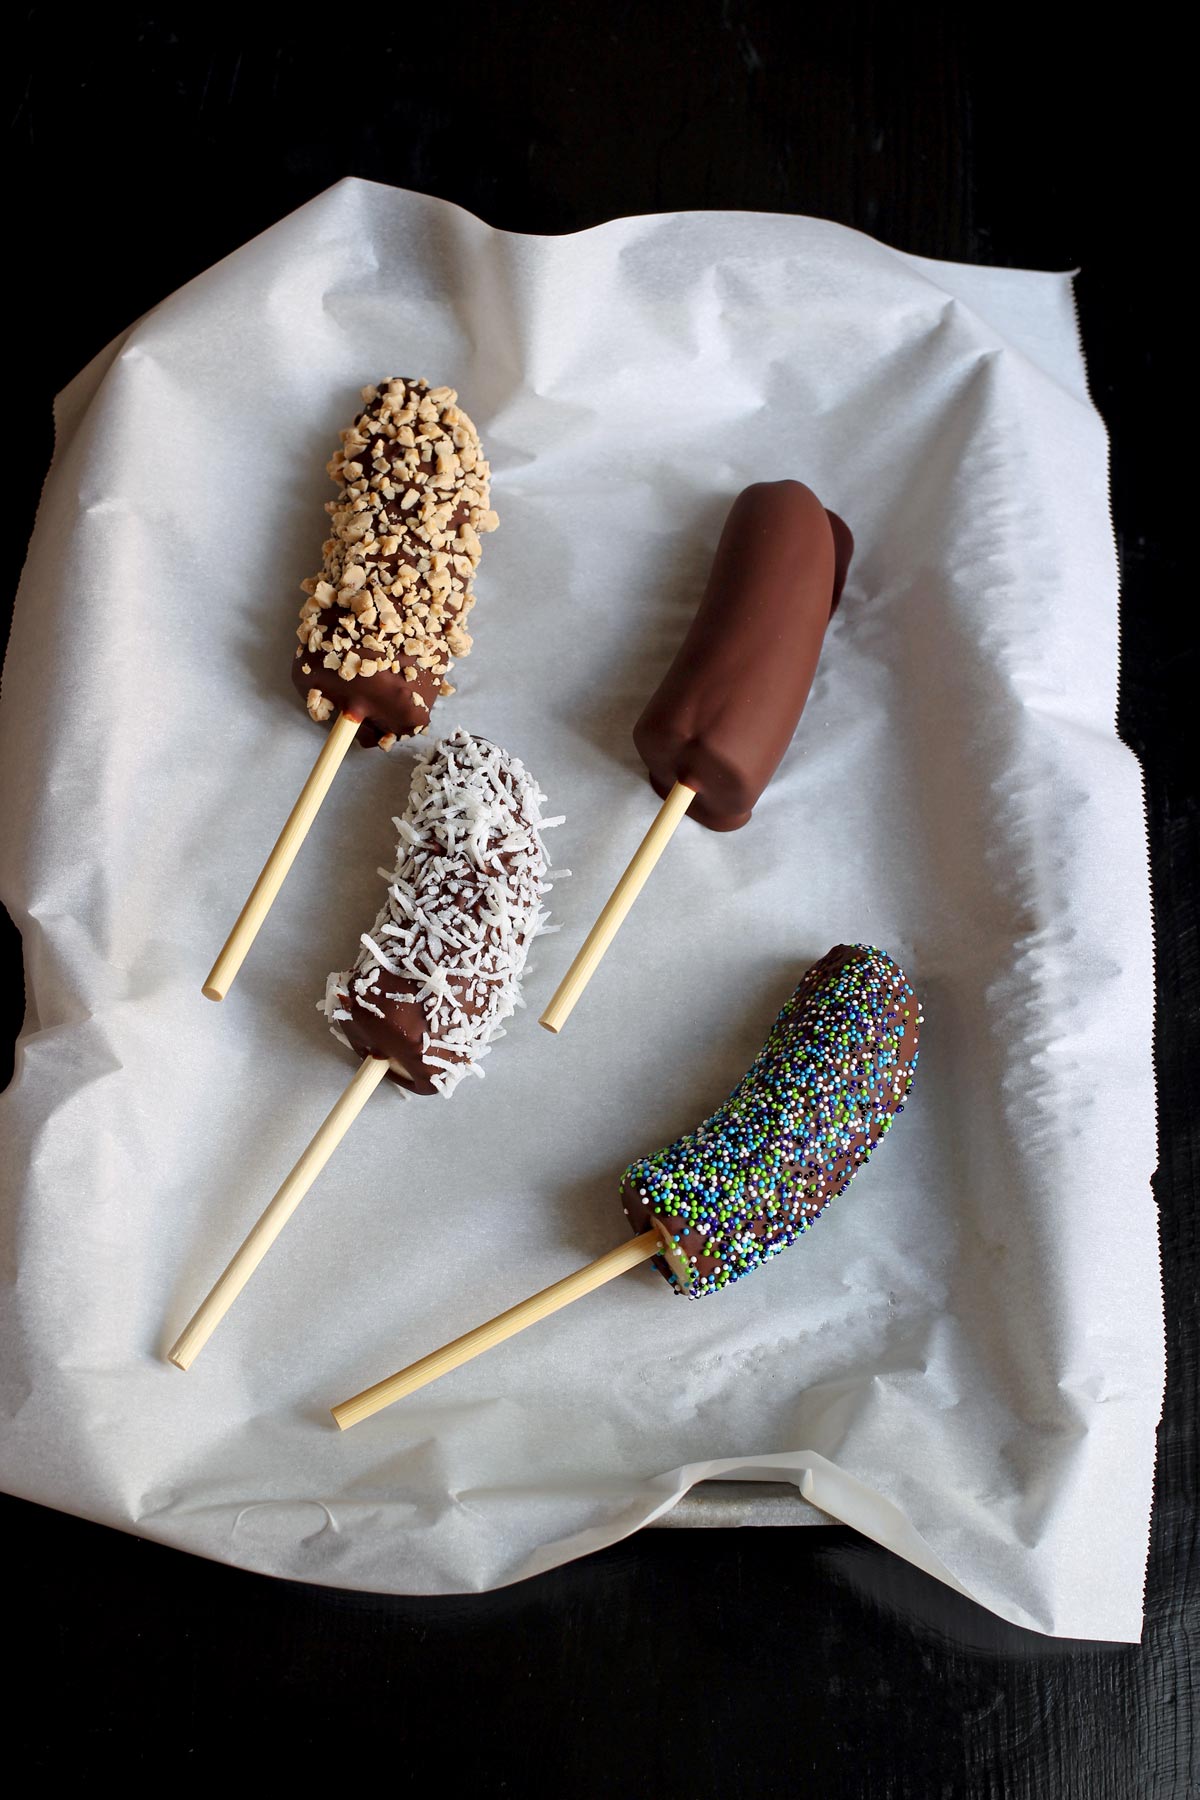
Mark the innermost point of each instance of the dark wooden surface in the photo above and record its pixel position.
(146, 144)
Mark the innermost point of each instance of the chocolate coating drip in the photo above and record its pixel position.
(725, 711)
(398, 1036)
(386, 703)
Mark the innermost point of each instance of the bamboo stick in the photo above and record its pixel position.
(262, 895)
(485, 1337)
(212, 1310)
(617, 906)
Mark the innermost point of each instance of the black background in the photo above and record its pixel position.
(145, 145)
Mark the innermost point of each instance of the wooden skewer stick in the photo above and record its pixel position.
(485, 1337)
(619, 902)
(262, 895)
(209, 1314)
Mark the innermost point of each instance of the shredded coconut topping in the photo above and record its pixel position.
(464, 903)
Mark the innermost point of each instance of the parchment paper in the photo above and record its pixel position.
(965, 1360)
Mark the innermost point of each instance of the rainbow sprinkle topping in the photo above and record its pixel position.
(834, 1072)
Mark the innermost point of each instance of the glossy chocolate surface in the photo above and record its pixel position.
(385, 702)
(727, 708)
(398, 1036)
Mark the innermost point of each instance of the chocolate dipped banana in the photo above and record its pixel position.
(757, 1174)
(385, 619)
(728, 706)
(715, 729)
(833, 1074)
(437, 974)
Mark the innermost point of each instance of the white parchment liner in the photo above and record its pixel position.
(965, 1359)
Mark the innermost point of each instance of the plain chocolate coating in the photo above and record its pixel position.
(398, 1036)
(725, 711)
(383, 702)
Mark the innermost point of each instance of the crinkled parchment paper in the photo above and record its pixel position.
(965, 1359)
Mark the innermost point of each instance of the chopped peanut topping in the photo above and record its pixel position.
(413, 497)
